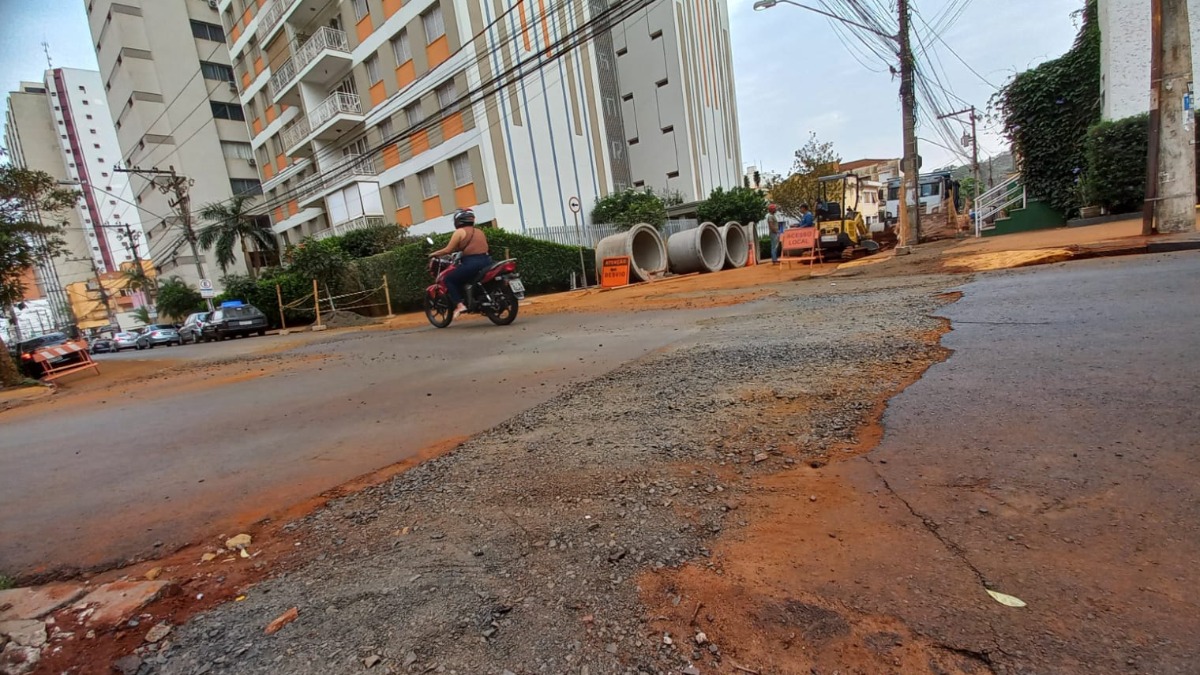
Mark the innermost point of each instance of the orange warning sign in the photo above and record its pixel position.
(614, 272)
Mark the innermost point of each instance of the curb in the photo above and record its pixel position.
(1173, 246)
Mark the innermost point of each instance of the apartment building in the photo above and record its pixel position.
(366, 112)
(63, 126)
(170, 85)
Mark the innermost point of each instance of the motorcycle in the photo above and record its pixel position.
(495, 292)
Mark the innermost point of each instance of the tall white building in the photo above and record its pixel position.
(62, 126)
(361, 111)
(1125, 55)
(168, 79)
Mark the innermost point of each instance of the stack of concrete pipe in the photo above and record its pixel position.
(644, 247)
(737, 244)
(700, 249)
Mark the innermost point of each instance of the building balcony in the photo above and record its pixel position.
(359, 223)
(323, 59)
(339, 114)
(345, 170)
(271, 19)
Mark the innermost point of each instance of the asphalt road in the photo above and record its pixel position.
(1054, 457)
(113, 478)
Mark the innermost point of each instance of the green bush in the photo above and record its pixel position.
(630, 207)
(544, 267)
(739, 204)
(1116, 164)
(261, 293)
(320, 259)
(371, 241)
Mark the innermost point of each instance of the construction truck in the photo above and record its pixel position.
(844, 232)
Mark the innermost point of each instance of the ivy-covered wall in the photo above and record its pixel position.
(1046, 112)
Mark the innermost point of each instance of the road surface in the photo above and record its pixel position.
(141, 473)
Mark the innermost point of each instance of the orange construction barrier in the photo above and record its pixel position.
(803, 244)
(46, 355)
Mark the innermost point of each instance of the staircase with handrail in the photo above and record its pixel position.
(1006, 196)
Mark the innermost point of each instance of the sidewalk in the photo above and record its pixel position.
(1062, 244)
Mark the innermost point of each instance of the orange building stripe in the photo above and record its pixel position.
(545, 25)
(524, 25)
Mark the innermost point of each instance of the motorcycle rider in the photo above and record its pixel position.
(473, 244)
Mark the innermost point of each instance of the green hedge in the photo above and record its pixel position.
(1116, 164)
(545, 267)
(261, 294)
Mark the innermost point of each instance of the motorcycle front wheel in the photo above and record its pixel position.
(438, 310)
(506, 312)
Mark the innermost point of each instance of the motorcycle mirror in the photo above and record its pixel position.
(429, 240)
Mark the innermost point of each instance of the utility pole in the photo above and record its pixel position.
(974, 154)
(177, 185)
(908, 103)
(1171, 160)
(131, 243)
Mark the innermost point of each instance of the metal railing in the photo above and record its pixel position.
(325, 38)
(359, 223)
(362, 165)
(295, 132)
(1004, 196)
(270, 17)
(339, 102)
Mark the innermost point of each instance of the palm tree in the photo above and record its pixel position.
(136, 279)
(230, 222)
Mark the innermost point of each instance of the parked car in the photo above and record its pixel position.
(103, 345)
(158, 334)
(190, 330)
(232, 321)
(22, 353)
(125, 340)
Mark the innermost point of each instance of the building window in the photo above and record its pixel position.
(372, 64)
(216, 71)
(400, 48)
(386, 129)
(237, 150)
(447, 95)
(672, 174)
(96, 146)
(82, 88)
(360, 9)
(413, 114)
(399, 195)
(207, 31)
(435, 27)
(245, 186)
(90, 117)
(84, 101)
(428, 183)
(92, 130)
(461, 166)
(227, 111)
(104, 174)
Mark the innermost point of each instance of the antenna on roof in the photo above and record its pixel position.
(46, 48)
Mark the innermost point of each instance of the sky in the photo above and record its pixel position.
(794, 74)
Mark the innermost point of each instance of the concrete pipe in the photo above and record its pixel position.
(644, 247)
(737, 245)
(700, 249)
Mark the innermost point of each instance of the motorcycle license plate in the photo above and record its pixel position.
(516, 286)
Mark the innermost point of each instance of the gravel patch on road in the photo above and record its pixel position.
(520, 551)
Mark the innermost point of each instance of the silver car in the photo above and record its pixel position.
(125, 340)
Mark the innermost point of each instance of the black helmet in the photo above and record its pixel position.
(464, 218)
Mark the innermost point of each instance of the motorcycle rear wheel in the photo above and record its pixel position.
(506, 313)
(438, 310)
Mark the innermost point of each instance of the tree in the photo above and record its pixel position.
(369, 241)
(740, 204)
(320, 259)
(630, 207)
(1046, 112)
(142, 314)
(813, 161)
(176, 299)
(230, 223)
(28, 199)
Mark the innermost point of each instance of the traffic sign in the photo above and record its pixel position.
(206, 290)
(575, 205)
(206, 285)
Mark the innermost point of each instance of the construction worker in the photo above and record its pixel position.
(806, 217)
(773, 230)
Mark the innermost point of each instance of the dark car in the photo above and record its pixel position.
(22, 353)
(158, 334)
(232, 321)
(102, 345)
(190, 330)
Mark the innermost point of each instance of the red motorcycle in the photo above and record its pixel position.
(495, 292)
